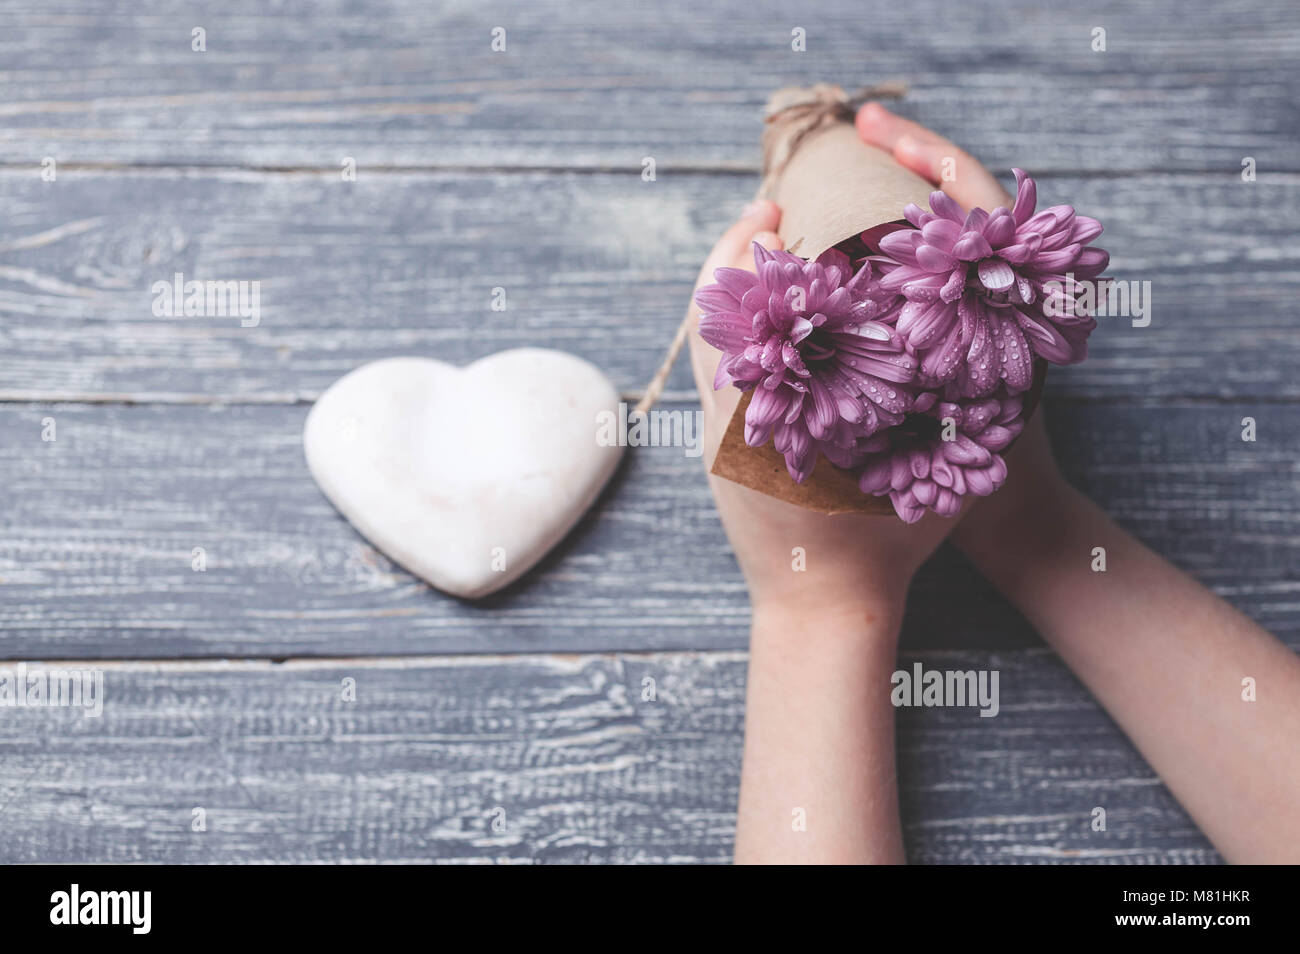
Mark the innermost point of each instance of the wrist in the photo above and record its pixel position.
(864, 616)
(837, 588)
(1026, 539)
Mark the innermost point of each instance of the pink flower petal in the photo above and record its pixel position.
(971, 247)
(726, 331)
(995, 274)
(901, 246)
(1026, 197)
(934, 259)
(944, 206)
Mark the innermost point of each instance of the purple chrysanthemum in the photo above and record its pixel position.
(806, 338)
(976, 284)
(920, 470)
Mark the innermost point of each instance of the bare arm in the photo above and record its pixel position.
(818, 782)
(1172, 663)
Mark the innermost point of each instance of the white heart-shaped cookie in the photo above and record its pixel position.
(464, 476)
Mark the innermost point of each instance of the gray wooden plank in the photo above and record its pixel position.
(600, 265)
(593, 84)
(618, 758)
(100, 525)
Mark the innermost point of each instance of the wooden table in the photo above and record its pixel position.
(518, 729)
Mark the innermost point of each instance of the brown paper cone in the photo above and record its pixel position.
(835, 186)
(830, 186)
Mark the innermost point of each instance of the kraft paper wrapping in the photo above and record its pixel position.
(830, 186)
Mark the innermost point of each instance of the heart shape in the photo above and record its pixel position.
(464, 476)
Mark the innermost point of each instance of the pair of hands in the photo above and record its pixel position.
(853, 561)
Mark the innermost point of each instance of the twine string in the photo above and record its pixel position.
(792, 116)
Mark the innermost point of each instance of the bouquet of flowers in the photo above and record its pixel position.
(907, 354)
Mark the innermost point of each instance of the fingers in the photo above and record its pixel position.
(735, 250)
(932, 157)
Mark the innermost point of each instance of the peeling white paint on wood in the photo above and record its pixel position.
(566, 752)
(355, 272)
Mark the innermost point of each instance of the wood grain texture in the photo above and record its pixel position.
(100, 528)
(600, 85)
(599, 265)
(582, 759)
(522, 170)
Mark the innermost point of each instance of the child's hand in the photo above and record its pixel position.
(1032, 474)
(853, 561)
(819, 725)
(1170, 661)
(925, 152)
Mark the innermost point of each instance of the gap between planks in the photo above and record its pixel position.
(430, 661)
